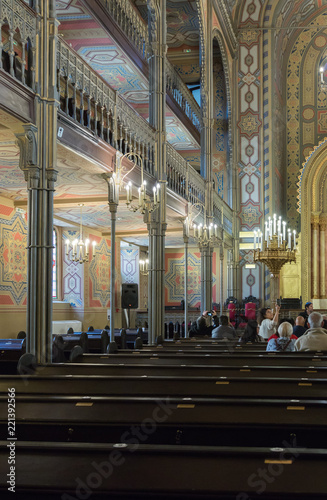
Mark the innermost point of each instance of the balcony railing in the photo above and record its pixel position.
(130, 22)
(222, 213)
(182, 95)
(18, 41)
(90, 101)
(136, 30)
(183, 179)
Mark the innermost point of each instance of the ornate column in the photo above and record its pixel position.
(221, 278)
(206, 251)
(322, 273)
(28, 162)
(156, 221)
(315, 254)
(38, 161)
(186, 240)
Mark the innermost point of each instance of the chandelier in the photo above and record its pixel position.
(273, 248)
(144, 203)
(144, 267)
(206, 235)
(80, 248)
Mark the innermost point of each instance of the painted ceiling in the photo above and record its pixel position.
(106, 57)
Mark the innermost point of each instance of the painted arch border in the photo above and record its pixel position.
(313, 175)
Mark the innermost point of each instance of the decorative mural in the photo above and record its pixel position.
(249, 125)
(129, 264)
(72, 273)
(174, 277)
(99, 274)
(220, 146)
(13, 256)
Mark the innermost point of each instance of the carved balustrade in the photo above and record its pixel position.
(183, 179)
(18, 41)
(130, 22)
(222, 213)
(182, 95)
(89, 100)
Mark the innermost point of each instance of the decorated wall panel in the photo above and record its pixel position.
(249, 133)
(174, 277)
(129, 258)
(13, 255)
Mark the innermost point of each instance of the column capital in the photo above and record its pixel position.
(27, 143)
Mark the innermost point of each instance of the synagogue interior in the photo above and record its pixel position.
(161, 161)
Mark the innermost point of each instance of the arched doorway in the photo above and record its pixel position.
(313, 209)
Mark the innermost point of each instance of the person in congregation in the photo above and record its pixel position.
(268, 322)
(308, 309)
(203, 326)
(251, 332)
(284, 320)
(284, 342)
(225, 331)
(299, 329)
(315, 338)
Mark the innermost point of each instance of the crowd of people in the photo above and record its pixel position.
(307, 333)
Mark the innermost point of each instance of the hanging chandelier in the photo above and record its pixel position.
(206, 235)
(273, 248)
(144, 203)
(144, 267)
(80, 249)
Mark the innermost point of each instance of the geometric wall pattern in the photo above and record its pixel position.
(99, 275)
(13, 257)
(249, 127)
(73, 273)
(129, 264)
(174, 278)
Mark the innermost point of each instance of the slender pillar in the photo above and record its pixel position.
(315, 257)
(113, 201)
(186, 239)
(38, 161)
(322, 239)
(206, 251)
(221, 257)
(156, 220)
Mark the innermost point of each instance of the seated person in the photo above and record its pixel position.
(284, 320)
(203, 326)
(284, 342)
(314, 339)
(251, 332)
(299, 329)
(224, 331)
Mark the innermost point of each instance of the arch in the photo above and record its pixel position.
(312, 183)
(216, 34)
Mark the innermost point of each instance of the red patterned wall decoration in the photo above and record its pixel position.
(13, 255)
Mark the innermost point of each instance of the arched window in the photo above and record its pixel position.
(54, 266)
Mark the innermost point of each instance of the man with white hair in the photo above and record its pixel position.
(314, 339)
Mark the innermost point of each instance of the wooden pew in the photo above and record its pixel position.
(192, 472)
(173, 420)
(222, 358)
(181, 371)
(144, 385)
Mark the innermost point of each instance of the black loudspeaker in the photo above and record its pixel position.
(129, 296)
